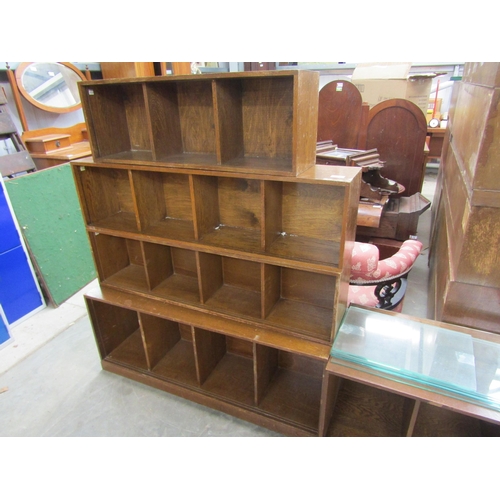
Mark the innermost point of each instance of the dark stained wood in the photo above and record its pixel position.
(210, 272)
(263, 122)
(265, 366)
(159, 336)
(397, 128)
(210, 348)
(234, 262)
(229, 120)
(340, 114)
(117, 211)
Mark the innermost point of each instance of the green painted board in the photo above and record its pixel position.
(48, 212)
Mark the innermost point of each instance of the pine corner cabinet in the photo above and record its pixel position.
(222, 251)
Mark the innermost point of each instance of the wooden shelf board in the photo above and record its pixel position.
(178, 364)
(236, 300)
(308, 249)
(121, 221)
(132, 277)
(132, 156)
(232, 379)
(179, 287)
(295, 397)
(236, 238)
(130, 352)
(310, 320)
(174, 229)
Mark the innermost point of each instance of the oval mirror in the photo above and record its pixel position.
(51, 86)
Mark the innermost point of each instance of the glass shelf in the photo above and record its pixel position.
(438, 357)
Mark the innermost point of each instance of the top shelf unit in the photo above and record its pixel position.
(255, 122)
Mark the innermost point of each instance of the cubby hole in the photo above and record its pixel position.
(365, 411)
(148, 268)
(299, 301)
(164, 204)
(172, 273)
(225, 366)
(118, 334)
(102, 209)
(169, 349)
(119, 262)
(303, 221)
(230, 285)
(228, 212)
(119, 122)
(288, 385)
(182, 120)
(255, 119)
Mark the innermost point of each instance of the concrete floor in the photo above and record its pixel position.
(52, 384)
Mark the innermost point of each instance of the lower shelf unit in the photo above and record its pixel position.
(264, 377)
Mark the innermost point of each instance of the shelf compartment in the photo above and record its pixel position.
(228, 212)
(225, 366)
(164, 204)
(299, 301)
(119, 262)
(230, 285)
(255, 118)
(182, 120)
(118, 334)
(364, 411)
(169, 349)
(288, 386)
(114, 212)
(303, 221)
(172, 273)
(118, 122)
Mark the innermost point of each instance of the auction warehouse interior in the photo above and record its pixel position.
(236, 249)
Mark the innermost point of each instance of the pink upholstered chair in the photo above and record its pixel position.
(381, 283)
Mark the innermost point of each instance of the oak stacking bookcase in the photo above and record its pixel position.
(222, 250)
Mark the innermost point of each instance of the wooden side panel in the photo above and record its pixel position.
(305, 121)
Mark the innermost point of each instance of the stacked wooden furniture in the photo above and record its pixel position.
(223, 252)
(54, 146)
(465, 257)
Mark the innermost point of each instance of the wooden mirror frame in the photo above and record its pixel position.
(52, 109)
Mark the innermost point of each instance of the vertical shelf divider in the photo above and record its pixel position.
(157, 262)
(265, 366)
(209, 274)
(159, 336)
(205, 201)
(209, 349)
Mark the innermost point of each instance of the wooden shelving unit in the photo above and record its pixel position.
(258, 122)
(223, 252)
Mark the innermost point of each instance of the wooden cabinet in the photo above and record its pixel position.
(224, 264)
(464, 260)
(256, 122)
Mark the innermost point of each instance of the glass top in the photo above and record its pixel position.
(408, 351)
